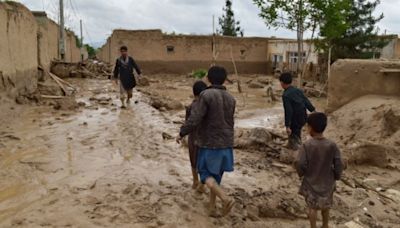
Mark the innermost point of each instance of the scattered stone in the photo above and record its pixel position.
(252, 138)
(167, 136)
(368, 153)
(352, 224)
(287, 156)
(144, 81)
(174, 105)
(371, 203)
(91, 200)
(256, 85)
(67, 103)
(391, 122)
(21, 100)
(81, 104)
(166, 103)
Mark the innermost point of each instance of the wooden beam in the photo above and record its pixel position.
(388, 71)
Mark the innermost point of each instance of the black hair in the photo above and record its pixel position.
(123, 48)
(286, 78)
(317, 121)
(198, 87)
(217, 75)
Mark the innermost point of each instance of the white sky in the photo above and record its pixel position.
(100, 17)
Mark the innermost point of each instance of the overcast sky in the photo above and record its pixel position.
(100, 17)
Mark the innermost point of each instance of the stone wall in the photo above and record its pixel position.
(351, 79)
(18, 49)
(160, 53)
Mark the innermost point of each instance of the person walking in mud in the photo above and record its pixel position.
(214, 119)
(123, 75)
(295, 104)
(198, 88)
(320, 165)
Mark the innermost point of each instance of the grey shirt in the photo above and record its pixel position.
(213, 116)
(319, 163)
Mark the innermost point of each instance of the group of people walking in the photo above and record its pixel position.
(209, 124)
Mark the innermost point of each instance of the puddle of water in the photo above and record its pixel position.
(270, 118)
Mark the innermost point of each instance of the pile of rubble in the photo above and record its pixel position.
(87, 69)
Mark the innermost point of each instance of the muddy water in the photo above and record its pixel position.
(100, 166)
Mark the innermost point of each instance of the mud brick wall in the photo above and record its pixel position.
(160, 53)
(47, 40)
(28, 40)
(72, 52)
(351, 79)
(18, 49)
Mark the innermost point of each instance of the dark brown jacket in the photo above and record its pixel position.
(214, 119)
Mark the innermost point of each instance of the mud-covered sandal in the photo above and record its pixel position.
(228, 207)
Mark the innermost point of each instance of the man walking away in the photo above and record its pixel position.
(295, 104)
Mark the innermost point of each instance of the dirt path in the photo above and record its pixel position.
(100, 166)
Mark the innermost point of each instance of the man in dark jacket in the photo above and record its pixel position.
(213, 119)
(123, 73)
(295, 104)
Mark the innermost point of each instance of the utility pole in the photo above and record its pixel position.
(214, 51)
(81, 41)
(62, 33)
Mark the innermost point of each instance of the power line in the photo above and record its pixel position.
(87, 33)
(73, 9)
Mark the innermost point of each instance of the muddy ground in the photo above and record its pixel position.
(90, 164)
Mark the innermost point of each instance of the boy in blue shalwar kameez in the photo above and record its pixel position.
(213, 117)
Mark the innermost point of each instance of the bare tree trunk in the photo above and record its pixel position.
(300, 34)
(329, 62)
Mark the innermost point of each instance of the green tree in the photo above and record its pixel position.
(294, 15)
(331, 17)
(91, 51)
(228, 25)
(360, 39)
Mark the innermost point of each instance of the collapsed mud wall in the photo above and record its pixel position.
(351, 79)
(160, 53)
(18, 49)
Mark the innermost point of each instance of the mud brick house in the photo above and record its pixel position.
(157, 52)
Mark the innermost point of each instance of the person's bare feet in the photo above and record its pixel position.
(201, 188)
(228, 205)
(212, 210)
(195, 184)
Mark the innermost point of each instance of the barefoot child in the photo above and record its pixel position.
(320, 164)
(198, 87)
(214, 118)
(123, 75)
(295, 105)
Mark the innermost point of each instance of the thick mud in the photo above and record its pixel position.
(96, 165)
